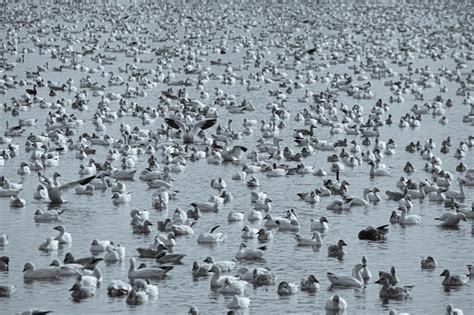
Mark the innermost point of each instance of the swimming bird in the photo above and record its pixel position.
(55, 189)
(245, 253)
(145, 273)
(411, 219)
(390, 276)
(450, 310)
(453, 281)
(7, 290)
(136, 297)
(63, 237)
(451, 219)
(224, 265)
(88, 262)
(321, 225)
(354, 281)
(389, 291)
(80, 292)
(287, 288)
(336, 304)
(190, 130)
(42, 216)
(32, 273)
(428, 263)
(49, 244)
(211, 237)
(373, 233)
(316, 240)
(238, 302)
(311, 284)
(337, 250)
(4, 261)
(118, 288)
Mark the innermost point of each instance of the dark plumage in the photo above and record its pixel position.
(373, 233)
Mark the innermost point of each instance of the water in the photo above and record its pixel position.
(94, 217)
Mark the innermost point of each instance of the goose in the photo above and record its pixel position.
(211, 237)
(17, 202)
(24, 169)
(450, 219)
(238, 302)
(373, 233)
(394, 217)
(417, 193)
(287, 288)
(337, 250)
(354, 281)
(264, 235)
(450, 310)
(310, 198)
(390, 276)
(147, 273)
(356, 201)
(63, 237)
(113, 255)
(42, 216)
(245, 253)
(411, 219)
(218, 183)
(4, 261)
(285, 224)
(377, 172)
(453, 281)
(365, 273)
(136, 297)
(235, 216)
(264, 205)
(233, 286)
(142, 227)
(55, 189)
(336, 304)
(118, 288)
(7, 290)
(321, 225)
(248, 232)
(311, 284)
(429, 263)
(145, 286)
(67, 269)
(88, 262)
(389, 291)
(85, 190)
(121, 198)
(224, 265)
(32, 273)
(162, 257)
(316, 240)
(182, 229)
(374, 197)
(234, 154)
(49, 244)
(41, 193)
(218, 280)
(190, 131)
(206, 206)
(79, 291)
(457, 194)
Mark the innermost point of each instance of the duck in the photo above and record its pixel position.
(245, 253)
(316, 240)
(336, 304)
(373, 233)
(354, 281)
(389, 291)
(211, 237)
(147, 273)
(47, 273)
(63, 237)
(453, 281)
(310, 284)
(287, 288)
(337, 250)
(429, 263)
(451, 219)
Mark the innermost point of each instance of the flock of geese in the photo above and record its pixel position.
(154, 83)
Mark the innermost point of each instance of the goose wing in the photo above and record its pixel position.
(176, 124)
(83, 181)
(203, 124)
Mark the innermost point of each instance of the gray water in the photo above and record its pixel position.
(95, 217)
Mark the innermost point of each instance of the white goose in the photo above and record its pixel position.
(147, 273)
(354, 281)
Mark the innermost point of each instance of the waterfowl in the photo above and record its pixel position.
(411, 219)
(32, 273)
(389, 291)
(316, 240)
(264, 235)
(450, 219)
(321, 225)
(4, 261)
(373, 233)
(118, 288)
(4, 240)
(218, 280)
(80, 292)
(390, 276)
(365, 273)
(451, 310)
(67, 269)
(49, 244)
(162, 257)
(245, 253)
(136, 297)
(63, 237)
(336, 304)
(311, 284)
(191, 130)
(55, 189)
(88, 262)
(337, 250)
(428, 263)
(453, 281)
(113, 255)
(287, 288)
(354, 281)
(147, 273)
(7, 290)
(211, 237)
(238, 302)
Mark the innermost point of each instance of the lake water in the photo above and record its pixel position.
(95, 217)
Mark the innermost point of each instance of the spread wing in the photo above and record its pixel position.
(83, 181)
(176, 124)
(203, 124)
